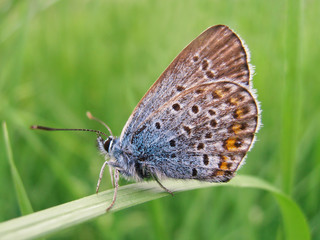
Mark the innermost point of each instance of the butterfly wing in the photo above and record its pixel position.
(203, 133)
(216, 54)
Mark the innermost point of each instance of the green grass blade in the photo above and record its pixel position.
(295, 223)
(291, 94)
(23, 200)
(69, 214)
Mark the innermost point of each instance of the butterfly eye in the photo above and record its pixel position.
(107, 144)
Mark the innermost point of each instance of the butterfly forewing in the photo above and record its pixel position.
(216, 54)
(203, 133)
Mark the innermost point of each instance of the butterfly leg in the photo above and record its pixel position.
(163, 187)
(101, 174)
(111, 175)
(116, 181)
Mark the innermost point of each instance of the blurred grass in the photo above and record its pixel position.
(23, 200)
(291, 108)
(59, 59)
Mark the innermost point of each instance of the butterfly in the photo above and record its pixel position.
(197, 121)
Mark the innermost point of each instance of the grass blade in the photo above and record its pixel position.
(23, 200)
(291, 94)
(69, 214)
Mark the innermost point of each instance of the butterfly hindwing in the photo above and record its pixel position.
(203, 133)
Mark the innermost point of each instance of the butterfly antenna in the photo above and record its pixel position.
(67, 129)
(89, 115)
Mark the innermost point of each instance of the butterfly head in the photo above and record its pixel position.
(105, 146)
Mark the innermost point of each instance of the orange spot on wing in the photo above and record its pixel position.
(236, 128)
(239, 113)
(232, 144)
(219, 173)
(217, 93)
(234, 101)
(224, 166)
(224, 158)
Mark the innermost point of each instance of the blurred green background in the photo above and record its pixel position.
(59, 59)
